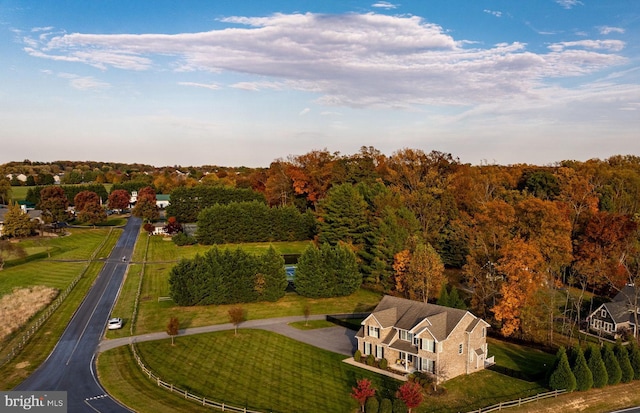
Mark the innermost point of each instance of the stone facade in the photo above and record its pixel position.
(414, 336)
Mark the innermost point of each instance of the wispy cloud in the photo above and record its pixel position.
(568, 4)
(304, 111)
(384, 5)
(608, 29)
(42, 29)
(211, 86)
(357, 60)
(83, 82)
(493, 12)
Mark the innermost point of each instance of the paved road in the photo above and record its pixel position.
(70, 367)
(336, 339)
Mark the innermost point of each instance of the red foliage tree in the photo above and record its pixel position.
(119, 199)
(411, 394)
(363, 392)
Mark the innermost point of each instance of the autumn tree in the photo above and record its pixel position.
(173, 226)
(411, 394)
(362, 392)
(17, 223)
(10, 250)
(522, 265)
(119, 199)
(237, 315)
(146, 207)
(423, 275)
(172, 328)
(88, 208)
(311, 174)
(53, 204)
(279, 186)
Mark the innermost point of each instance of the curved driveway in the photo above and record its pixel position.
(70, 367)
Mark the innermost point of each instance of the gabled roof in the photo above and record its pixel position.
(619, 311)
(408, 314)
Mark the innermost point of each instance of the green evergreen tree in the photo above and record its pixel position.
(634, 358)
(343, 216)
(443, 300)
(597, 367)
(622, 356)
(455, 300)
(310, 280)
(584, 377)
(274, 275)
(562, 377)
(614, 372)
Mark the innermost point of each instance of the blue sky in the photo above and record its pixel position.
(246, 82)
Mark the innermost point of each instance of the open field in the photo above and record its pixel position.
(269, 372)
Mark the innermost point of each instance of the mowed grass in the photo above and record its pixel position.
(261, 370)
(520, 358)
(265, 371)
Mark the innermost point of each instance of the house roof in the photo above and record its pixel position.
(408, 314)
(619, 311)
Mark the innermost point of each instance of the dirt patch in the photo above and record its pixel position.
(23, 303)
(23, 365)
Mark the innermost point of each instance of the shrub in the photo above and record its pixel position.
(357, 356)
(371, 405)
(634, 358)
(399, 406)
(383, 363)
(625, 365)
(584, 377)
(614, 372)
(371, 360)
(597, 367)
(181, 239)
(562, 378)
(385, 406)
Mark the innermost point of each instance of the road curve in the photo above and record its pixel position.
(71, 365)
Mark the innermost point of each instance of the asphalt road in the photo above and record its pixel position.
(71, 365)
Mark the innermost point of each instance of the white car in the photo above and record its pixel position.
(114, 324)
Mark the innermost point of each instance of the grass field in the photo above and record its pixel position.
(269, 372)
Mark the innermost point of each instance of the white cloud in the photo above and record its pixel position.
(608, 45)
(493, 12)
(568, 4)
(608, 29)
(83, 82)
(355, 60)
(42, 29)
(304, 111)
(384, 5)
(211, 86)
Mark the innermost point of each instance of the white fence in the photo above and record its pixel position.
(519, 402)
(184, 393)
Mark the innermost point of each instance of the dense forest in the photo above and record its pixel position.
(516, 236)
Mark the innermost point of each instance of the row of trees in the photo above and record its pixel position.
(70, 191)
(253, 221)
(595, 368)
(187, 203)
(327, 271)
(228, 277)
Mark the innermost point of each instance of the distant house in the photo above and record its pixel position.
(415, 336)
(614, 319)
(162, 200)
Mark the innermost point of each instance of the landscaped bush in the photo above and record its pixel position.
(584, 377)
(634, 358)
(562, 377)
(597, 367)
(383, 363)
(181, 239)
(385, 406)
(399, 406)
(625, 365)
(357, 356)
(371, 405)
(614, 372)
(371, 360)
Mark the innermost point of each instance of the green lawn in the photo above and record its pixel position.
(520, 358)
(266, 371)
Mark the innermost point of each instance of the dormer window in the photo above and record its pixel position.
(603, 313)
(374, 332)
(406, 336)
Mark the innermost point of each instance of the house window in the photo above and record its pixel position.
(367, 348)
(608, 327)
(379, 352)
(484, 331)
(406, 336)
(428, 365)
(416, 341)
(374, 332)
(460, 348)
(429, 345)
(603, 313)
